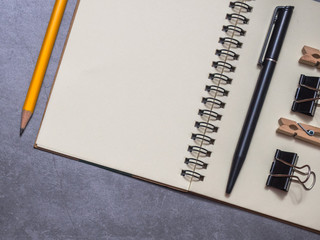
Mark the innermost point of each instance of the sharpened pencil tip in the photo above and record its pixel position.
(25, 117)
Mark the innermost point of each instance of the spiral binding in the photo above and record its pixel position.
(214, 103)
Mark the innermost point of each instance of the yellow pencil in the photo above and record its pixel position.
(42, 62)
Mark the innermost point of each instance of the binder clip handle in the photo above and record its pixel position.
(308, 173)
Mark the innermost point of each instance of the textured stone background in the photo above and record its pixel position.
(43, 196)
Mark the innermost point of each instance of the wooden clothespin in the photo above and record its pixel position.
(311, 56)
(300, 131)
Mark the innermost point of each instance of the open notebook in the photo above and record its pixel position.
(130, 84)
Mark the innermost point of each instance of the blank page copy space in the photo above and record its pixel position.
(130, 84)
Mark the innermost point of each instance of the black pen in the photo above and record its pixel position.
(268, 59)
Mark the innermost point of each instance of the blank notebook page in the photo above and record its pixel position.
(130, 84)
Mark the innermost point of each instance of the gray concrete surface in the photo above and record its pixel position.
(43, 196)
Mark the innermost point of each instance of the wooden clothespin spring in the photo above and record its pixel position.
(300, 131)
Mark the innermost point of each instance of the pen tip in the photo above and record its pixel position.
(229, 189)
(21, 131)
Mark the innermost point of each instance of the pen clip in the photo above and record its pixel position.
(273, 20)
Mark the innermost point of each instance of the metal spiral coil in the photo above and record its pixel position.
(220, 77)
(217, 90)
(198, 163)
(231, 41)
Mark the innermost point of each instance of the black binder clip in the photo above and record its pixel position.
(307, 95)
(282, 169)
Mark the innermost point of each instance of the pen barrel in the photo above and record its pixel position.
(279, 32)
(254, 109)
(263, 82)
(250, 122)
